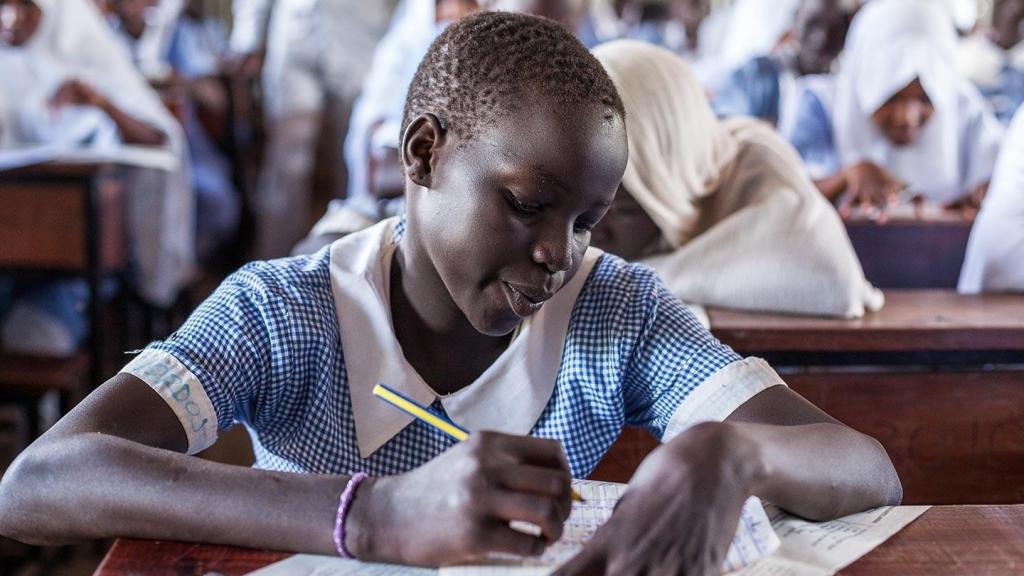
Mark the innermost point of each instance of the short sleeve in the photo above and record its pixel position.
(678, 374)
(222, 363)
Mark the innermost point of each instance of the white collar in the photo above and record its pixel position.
(509, 396)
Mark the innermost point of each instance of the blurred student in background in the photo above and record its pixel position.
(197, 51)
(905, 123)
(721, 210)
(768, 85)
(312, 56)
(68, 83)
(994, 58)
(995, 252)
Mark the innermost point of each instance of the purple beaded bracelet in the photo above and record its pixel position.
(345, 502)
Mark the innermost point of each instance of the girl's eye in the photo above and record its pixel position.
(521, 207)
(581, 227)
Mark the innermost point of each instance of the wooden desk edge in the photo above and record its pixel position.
(1004, 525)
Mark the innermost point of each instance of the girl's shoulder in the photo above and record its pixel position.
(296, 281)
(616, 283)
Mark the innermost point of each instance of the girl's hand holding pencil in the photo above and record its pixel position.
(458, 507)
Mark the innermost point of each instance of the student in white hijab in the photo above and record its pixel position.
(995, 252)
(904, 120)
(67, 82)
(722, 210)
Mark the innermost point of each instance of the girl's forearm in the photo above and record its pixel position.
(132, 131)
(89, 486)
(819, 471)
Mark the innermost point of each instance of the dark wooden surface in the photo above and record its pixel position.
(43, 222)
(912, 320)
(974, 540)
(911, 253)
(953, 438)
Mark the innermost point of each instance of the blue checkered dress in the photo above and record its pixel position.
(266, 348)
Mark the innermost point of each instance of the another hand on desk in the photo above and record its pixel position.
(681, 511)
(969, 205)
(868, 187)
(457, 507)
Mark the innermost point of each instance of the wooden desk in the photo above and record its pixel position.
(59, 220)
(946, 540)
(938, 321)
(911, 253)
(937, 377)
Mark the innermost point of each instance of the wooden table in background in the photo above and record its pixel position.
(908, 252)
(937, 377)
(972, 540)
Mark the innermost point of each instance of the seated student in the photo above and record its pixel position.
(371, 147)
(68, 83)
(312, 57)
(145, 28)
(727, 218)
(371, 156)
(995, 252)
(905, 123)
(994, 60)
(765, 87)
(484, 301)
(691, 28)
(198, 47)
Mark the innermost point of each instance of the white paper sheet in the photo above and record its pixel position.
(311, 565)
(754, 535)
(824, 548)
(127, 155)
(807, 548)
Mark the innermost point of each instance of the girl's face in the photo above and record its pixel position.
(626, 230)
(904, 116)
(506, 215)
(19, 20)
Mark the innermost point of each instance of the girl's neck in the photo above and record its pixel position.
(429, 326)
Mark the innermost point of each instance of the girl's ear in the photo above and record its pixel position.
(420, 145)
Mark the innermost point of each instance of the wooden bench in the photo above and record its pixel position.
(935, 376)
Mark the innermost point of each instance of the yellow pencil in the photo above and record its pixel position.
(429, 417)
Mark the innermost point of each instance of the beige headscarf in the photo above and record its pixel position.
(749, 228)
(677, 148)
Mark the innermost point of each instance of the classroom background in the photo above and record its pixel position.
(148, 148)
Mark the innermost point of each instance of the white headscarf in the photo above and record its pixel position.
(678, 149)
(755, 28)
(748, 227)
(73, 41)
(891, 43)
(995, 253)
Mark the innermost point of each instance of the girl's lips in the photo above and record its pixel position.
(521, 304)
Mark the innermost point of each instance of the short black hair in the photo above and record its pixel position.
(482, 65)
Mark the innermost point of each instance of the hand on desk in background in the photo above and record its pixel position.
(681, 511)
(969, 205)
(869, 188)
(457, 507)
(76, 92)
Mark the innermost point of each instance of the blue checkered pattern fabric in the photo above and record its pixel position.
(267, 350)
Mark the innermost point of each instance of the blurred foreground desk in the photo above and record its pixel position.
(935, 376)
(946, 540)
